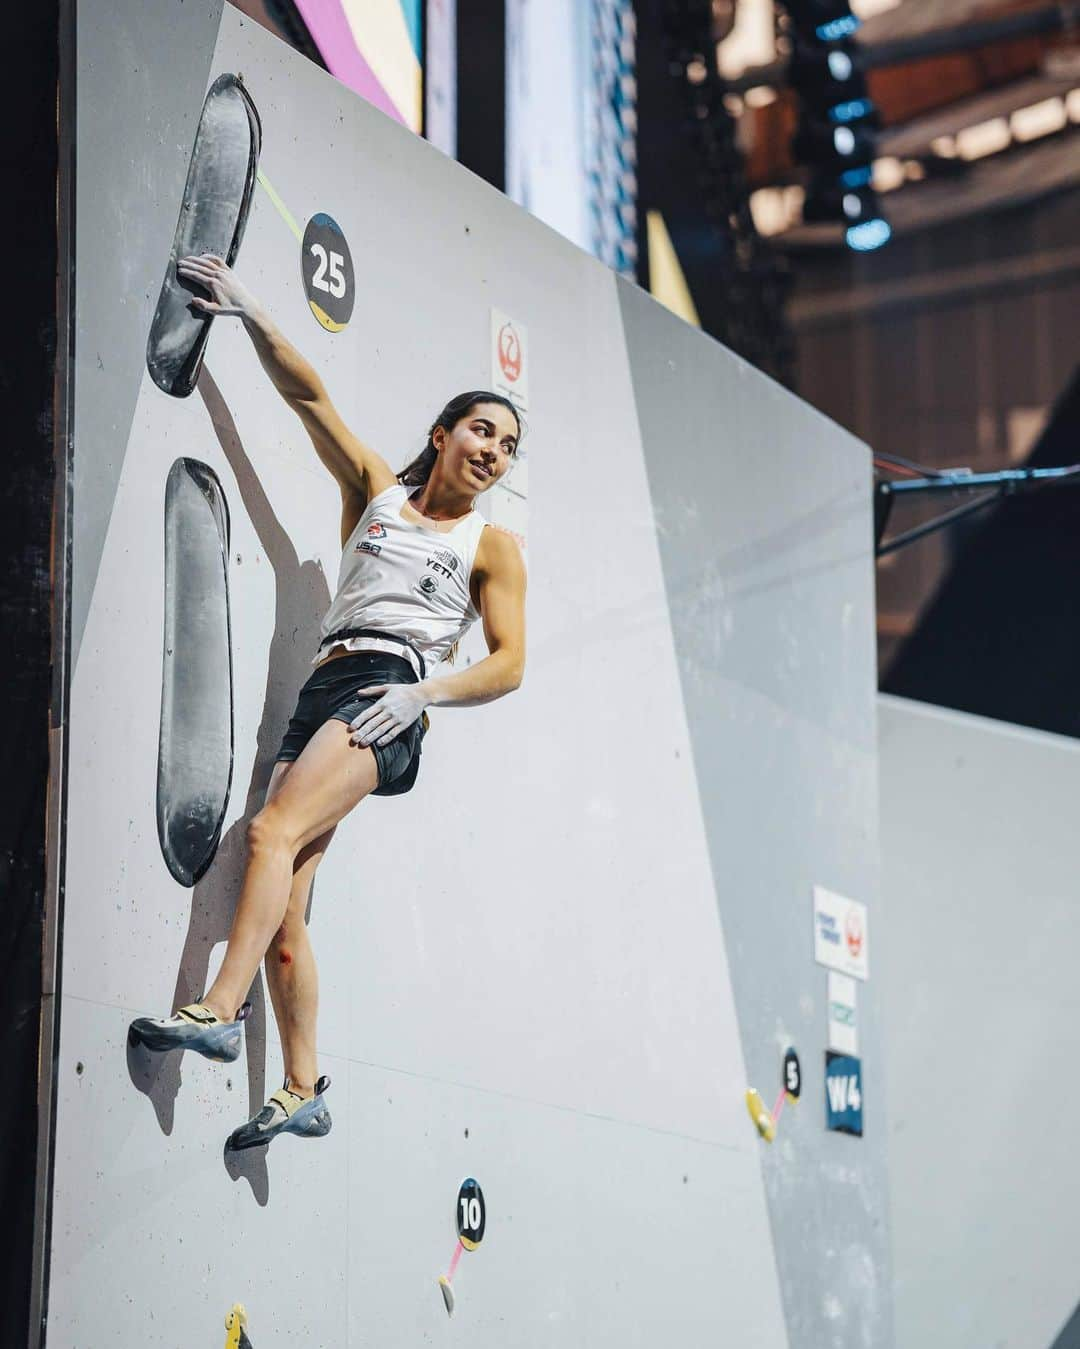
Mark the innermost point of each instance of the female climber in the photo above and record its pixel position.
(418, 567)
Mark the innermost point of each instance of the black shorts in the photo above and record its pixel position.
(330, 695)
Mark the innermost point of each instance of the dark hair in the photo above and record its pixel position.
(416, 473)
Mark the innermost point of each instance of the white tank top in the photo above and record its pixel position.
(406, 580)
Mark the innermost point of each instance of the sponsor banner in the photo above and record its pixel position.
(440, 76)
(843, 1036)
(843, 1094)
(840, 934)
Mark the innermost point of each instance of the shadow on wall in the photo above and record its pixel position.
(1069, 1336)
(301, 599)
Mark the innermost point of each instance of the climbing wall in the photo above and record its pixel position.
(551, 973)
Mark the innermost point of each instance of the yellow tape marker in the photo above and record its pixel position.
(282, 209)
(324, 318)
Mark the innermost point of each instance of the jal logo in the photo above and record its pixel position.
(853, 933)
(376, 531)
(510, 353)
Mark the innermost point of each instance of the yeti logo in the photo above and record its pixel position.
(444, 562)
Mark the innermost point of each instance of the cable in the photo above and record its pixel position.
(886, 461)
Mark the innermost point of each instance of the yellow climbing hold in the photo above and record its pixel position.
(447, 1293)
(761, 1115)
(234, 1327)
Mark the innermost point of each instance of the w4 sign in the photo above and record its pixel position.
(843, 1093)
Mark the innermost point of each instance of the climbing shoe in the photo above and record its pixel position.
(285, 1113)
(193, 1027)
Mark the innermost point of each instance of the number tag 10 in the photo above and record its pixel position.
(471, 1214)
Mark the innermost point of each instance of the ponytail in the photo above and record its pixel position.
(416, 473)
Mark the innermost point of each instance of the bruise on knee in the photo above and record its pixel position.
(279, 947)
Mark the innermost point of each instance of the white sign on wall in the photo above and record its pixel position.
(506, 505)
(843, 1034)
(509, 360)
(840, 934)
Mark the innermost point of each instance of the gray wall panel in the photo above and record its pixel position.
(762, 512)
(980, 856)
(518, 929)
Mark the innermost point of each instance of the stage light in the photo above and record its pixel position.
(851, 111)
(776, 209)
(868, 235)
(984, 138)
(887, 174)
(760, 96)
(836, 135)
(827, 201)
(1039, 119)
(825, 20)
(840, 65)
(859, 177)
(769, 210)
(824, 74)
(818, 144)
(837, 28)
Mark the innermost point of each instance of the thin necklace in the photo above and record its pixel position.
(440, 520)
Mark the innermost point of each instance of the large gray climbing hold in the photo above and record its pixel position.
(195, 746)
(213, 215)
